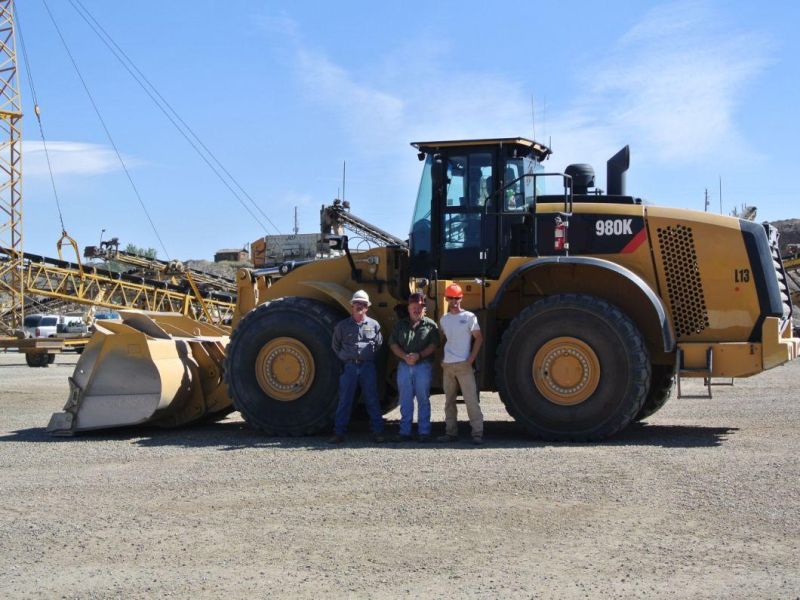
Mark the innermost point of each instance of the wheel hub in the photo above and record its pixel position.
(566, 371)
(285, 369)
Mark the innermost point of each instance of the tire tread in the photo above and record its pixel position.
(305, 307)
(613, 315)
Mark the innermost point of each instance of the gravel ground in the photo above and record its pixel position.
(703, 501)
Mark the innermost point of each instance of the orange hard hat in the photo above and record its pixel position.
(453, 291)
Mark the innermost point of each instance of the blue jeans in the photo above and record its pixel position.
(415, 380)
(353, 376)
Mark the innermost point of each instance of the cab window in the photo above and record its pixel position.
(519, 196)
(468, 181)
(420, 234)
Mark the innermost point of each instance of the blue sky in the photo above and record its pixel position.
(284, 92)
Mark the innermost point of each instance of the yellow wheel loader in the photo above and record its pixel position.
(591, 303)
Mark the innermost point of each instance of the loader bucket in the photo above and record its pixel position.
(157, 368)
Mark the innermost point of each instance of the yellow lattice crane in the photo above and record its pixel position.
(11, 277)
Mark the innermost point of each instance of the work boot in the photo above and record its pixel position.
(336, 439)
(378, 438)
(447, 439)
(477, 440)
(400, 438)
(424, 439)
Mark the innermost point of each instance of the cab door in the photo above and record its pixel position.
(466, 243)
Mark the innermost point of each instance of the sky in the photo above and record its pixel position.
(284, 93)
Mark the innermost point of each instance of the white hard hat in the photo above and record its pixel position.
(361, 296)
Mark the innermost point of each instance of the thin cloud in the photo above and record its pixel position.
(280, 24)
(71, 158)
(364, 109)
(670, 86)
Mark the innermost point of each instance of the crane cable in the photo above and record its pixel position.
(38, 114)
(105, 127)
(171, 114)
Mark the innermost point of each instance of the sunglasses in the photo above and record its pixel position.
(454, 297)
(360, 304)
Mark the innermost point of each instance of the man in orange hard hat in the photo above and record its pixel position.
(463, 334)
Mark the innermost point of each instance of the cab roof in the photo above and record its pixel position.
(540, 150)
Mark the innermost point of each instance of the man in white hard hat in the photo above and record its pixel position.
(356, 341)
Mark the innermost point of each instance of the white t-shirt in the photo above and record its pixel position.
(458, 329)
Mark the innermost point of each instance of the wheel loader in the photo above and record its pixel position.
(591, 304)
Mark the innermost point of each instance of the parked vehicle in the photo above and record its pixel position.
(47, 327)
(72, 326)
(106, 316)
(109, 316)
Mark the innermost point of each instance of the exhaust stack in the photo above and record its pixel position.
(615, 172)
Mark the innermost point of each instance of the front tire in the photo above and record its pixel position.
(573, 367)
(281, 371)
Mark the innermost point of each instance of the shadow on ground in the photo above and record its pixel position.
(236, 435)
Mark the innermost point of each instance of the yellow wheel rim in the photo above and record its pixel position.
(285, 369)
(566, 371)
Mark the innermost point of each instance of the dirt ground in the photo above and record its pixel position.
(703, 501)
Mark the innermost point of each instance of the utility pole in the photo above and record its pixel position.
(296, 222)
(706, 201)
(11, 273)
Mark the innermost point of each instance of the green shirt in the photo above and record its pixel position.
(415, 339)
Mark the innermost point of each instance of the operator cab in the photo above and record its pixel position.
(477, 200)
(468, 189)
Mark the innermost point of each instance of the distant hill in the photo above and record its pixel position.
(790, 232)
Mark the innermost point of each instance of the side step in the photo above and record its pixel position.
(706, 371)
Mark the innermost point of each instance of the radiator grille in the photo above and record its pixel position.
(780, 273)
(684, 285)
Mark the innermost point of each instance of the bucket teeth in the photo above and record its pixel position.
(61, 424)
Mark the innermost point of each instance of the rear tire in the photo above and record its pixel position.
(38, 359)
(281, 371)
(662, 381)
(573, 367)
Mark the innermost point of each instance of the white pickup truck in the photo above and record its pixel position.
(48, 326)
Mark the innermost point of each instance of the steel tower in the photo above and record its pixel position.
(11, 273)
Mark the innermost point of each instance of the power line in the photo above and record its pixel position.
(105, 127)
(37, 112)
(170, 113)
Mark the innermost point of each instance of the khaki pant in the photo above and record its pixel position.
(457, 375)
